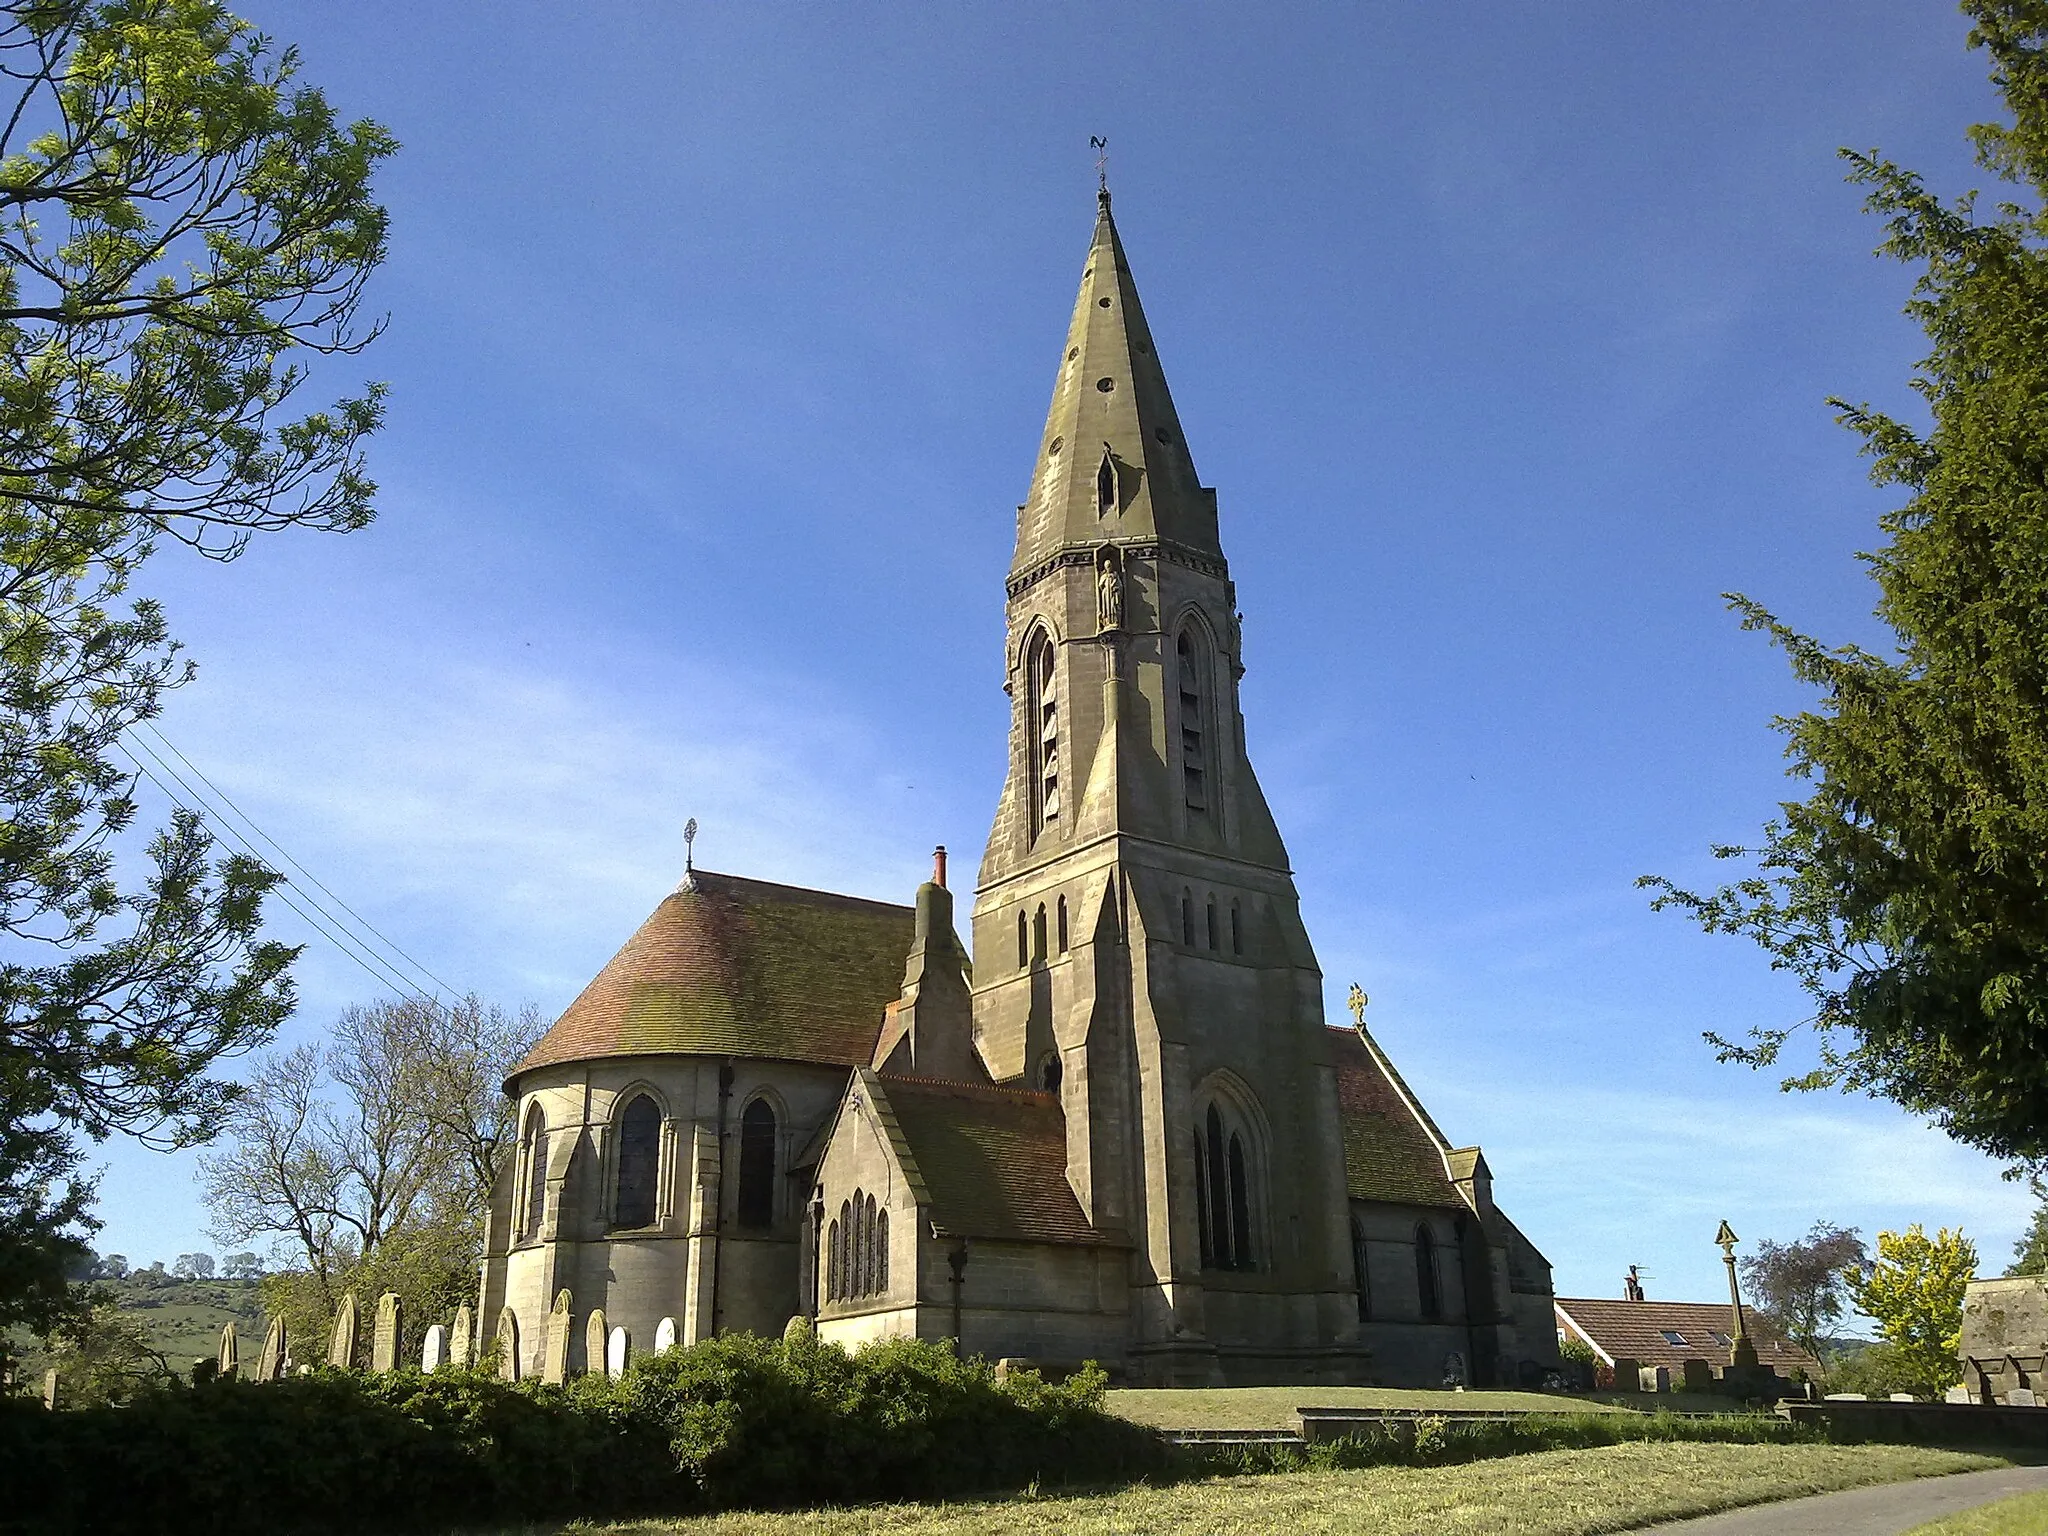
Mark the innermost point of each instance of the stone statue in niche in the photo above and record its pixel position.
(1109, 593)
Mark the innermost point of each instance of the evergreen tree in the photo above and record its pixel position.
(1908, 892)
(180, 224)
(2030, 1253)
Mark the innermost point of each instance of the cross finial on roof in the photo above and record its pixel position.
(689, 855)
(1101, 147)
(1358, 1002)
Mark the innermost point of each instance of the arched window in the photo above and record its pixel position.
(1361, 1269)
(1105, 485)
(1038, 933)
(842, 1258)
(639, 1163)
(832, 1260)
(1236, 928)
(1187, 919)
(757, 1165)
(1194, 749)
(1045, 734)
(1427, 1289)
(1212, 922)
(1023, 941)
(1063, 925)
(536, 1158)
(881, 1252)
(1050, 1072)
(1223, 1180)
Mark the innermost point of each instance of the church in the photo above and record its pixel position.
(1118, 1128)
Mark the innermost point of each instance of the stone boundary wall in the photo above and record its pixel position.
(1963, 1423)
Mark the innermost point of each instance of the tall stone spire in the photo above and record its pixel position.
(1112, 464)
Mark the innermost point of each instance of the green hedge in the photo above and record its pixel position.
(739, 1421)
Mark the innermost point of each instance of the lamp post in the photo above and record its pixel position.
(1740, 1351)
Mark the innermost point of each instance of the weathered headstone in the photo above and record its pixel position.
(508, 1344)
(341, 1343)
(1656, 1378)
(461, 1338)
(618, 1345)
(1627, 1374)
(384, 1342)
(798, 1330)
(434, 1349)
(270, 1364)
(2021, 1397)
(664, 1335)
(1960, 1394)
(229, 1357)
(1699, 1376)
(594, 1334)
(554, 1360)
(50, 1387)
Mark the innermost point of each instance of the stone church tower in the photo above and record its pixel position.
(1163, 983)
(1117, 1129)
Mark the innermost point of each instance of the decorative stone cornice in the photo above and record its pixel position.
(1143, 549)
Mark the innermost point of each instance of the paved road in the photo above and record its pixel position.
(1880, 1511)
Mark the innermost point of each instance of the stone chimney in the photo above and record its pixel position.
(929, 1030)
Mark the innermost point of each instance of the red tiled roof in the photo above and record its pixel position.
(1634, 1330)
(1389, 1154)
(993, 1160)
(741, 968)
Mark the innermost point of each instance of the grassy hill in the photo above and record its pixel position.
(183, 1318)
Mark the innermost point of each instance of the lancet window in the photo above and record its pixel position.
(1212, 922)
(1361, 1269)
(857, 1250)
(1223, 1180)
(1428, 1285)
(757, 1165)
(639, 1163)
(1105, 485)
(1045, 732)
(535, 1156)
(1063, 924)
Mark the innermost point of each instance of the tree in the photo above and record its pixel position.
(370, 1162)
(104, 1356)
(2030, 1253)
(1804, 1285)
(1908, 892)
(114, 1266)
(242, 1266)
(193, 1266)
(1914, 1292)
(181, 222)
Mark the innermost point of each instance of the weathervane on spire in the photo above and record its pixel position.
(689, 855)
(1101, 147)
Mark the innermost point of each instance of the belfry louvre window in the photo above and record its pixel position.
(757, 1165)
(857, 1250)
(1194, 750)
(536, 1149)
(1045, 734)
(1223, 1194)
(639, 1163)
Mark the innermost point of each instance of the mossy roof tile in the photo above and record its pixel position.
(734, 967)
(1388, 1153)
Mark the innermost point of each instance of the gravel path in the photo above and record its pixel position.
(1881, 1511)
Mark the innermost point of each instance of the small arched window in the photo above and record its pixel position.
(1223, 1180)
(1050, 1072)
(1038, 933)
(843, 1256)
(757, 1165)
(1187, 919)
(832, 1260)
(1427, 1288)
(1212, 922)
(639, 1163)
(1236, 928)
(1194, 725)
(881, 1252)
(1023, 941)
(536, 1158)
(1063, 925)
(1044, 745)
(1362, 1270)
(1105, 485)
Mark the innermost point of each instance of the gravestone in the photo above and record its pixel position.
(2021, 1397)
(1655, 1378)
(461, 1338)
(434, 1351)
(1699, 1376)
(341, 1343)
(664, 1335)
(270, 1364)
(554, 1359)
(229, 1358)
(50, 1387)
(1960, 1394)
(508, 1344)
(617, 1346)
(1627, 1374)
(594, 1334)
(384, 1342)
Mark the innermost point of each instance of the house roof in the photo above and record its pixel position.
(735, 967)
(1634, 1330)
(992, 1161)
(1392, 1151)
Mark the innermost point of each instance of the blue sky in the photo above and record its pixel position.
(721, 338)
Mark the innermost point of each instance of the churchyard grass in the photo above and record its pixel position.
(1273, 1407)
(2026, 1515)
(1548, 1493)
